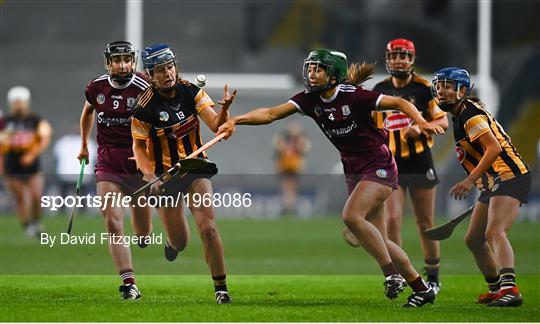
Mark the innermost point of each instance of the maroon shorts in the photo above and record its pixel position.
(378, 165)
(113, 164)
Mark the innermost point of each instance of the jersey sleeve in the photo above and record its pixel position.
(140, 129)
(202, 100)
(299, 100)
(141, 121)
(368, 99)
(434, 112)
(476, 126)
(89, 94)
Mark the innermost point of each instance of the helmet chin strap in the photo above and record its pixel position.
(447, 106)
(400, 74)
(329, 85)
(167, 89)
(121, 80)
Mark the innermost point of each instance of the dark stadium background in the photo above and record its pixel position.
(55, 48)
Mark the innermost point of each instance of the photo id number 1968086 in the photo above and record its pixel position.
(218, 200)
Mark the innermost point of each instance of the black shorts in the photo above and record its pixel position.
(181, 182)
(518, 187)
(418, 171)
(15, 169)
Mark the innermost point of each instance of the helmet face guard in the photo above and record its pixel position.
(404, 50)
(318, 65)
(157, 56)
(333, 62)
(115, 49)
(450, 78)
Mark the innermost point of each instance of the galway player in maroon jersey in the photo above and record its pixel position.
(411, 150)
(112, 97)
(343, 113)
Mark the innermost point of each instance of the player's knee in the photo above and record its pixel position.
(393, 219)
(494, 235)
(474, 241)
(424, 224)
(208, 231)
(114, 225)
(348, 218)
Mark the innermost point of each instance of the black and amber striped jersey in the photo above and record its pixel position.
(419, 94)
(20, 134)
(472, 122)
(171, 127)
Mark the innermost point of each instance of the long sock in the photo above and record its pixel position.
(220, 282)
(494, 283)
(128, 278)
(508, 278)
(432, 269)
(389, 269)
(418, 285)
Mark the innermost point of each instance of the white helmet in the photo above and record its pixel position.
(18, 93)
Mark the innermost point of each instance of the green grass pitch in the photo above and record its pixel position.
(278, 270)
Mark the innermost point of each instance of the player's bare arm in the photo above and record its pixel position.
(212, 119)
(389, 102)
(44, 132)
(259, 116)
(441, 120)
(143, 162)
(86, 125)
(414, 130)
(492, 149)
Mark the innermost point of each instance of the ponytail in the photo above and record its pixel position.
(359, 73)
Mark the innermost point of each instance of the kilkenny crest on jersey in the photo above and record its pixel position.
(163, 116)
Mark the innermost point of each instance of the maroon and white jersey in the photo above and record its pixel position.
(345, 118)
(114, 105)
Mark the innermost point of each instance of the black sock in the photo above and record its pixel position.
(432, 269)
(220, 283)
(508, 278)
(494, 283)
(389, 269)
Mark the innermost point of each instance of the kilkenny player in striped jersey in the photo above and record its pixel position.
(493, 164)
(23, 139)
(110, 99)
(412, 150)
(165, 129)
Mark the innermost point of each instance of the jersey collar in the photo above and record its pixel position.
(338, 88)
(122, 86)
